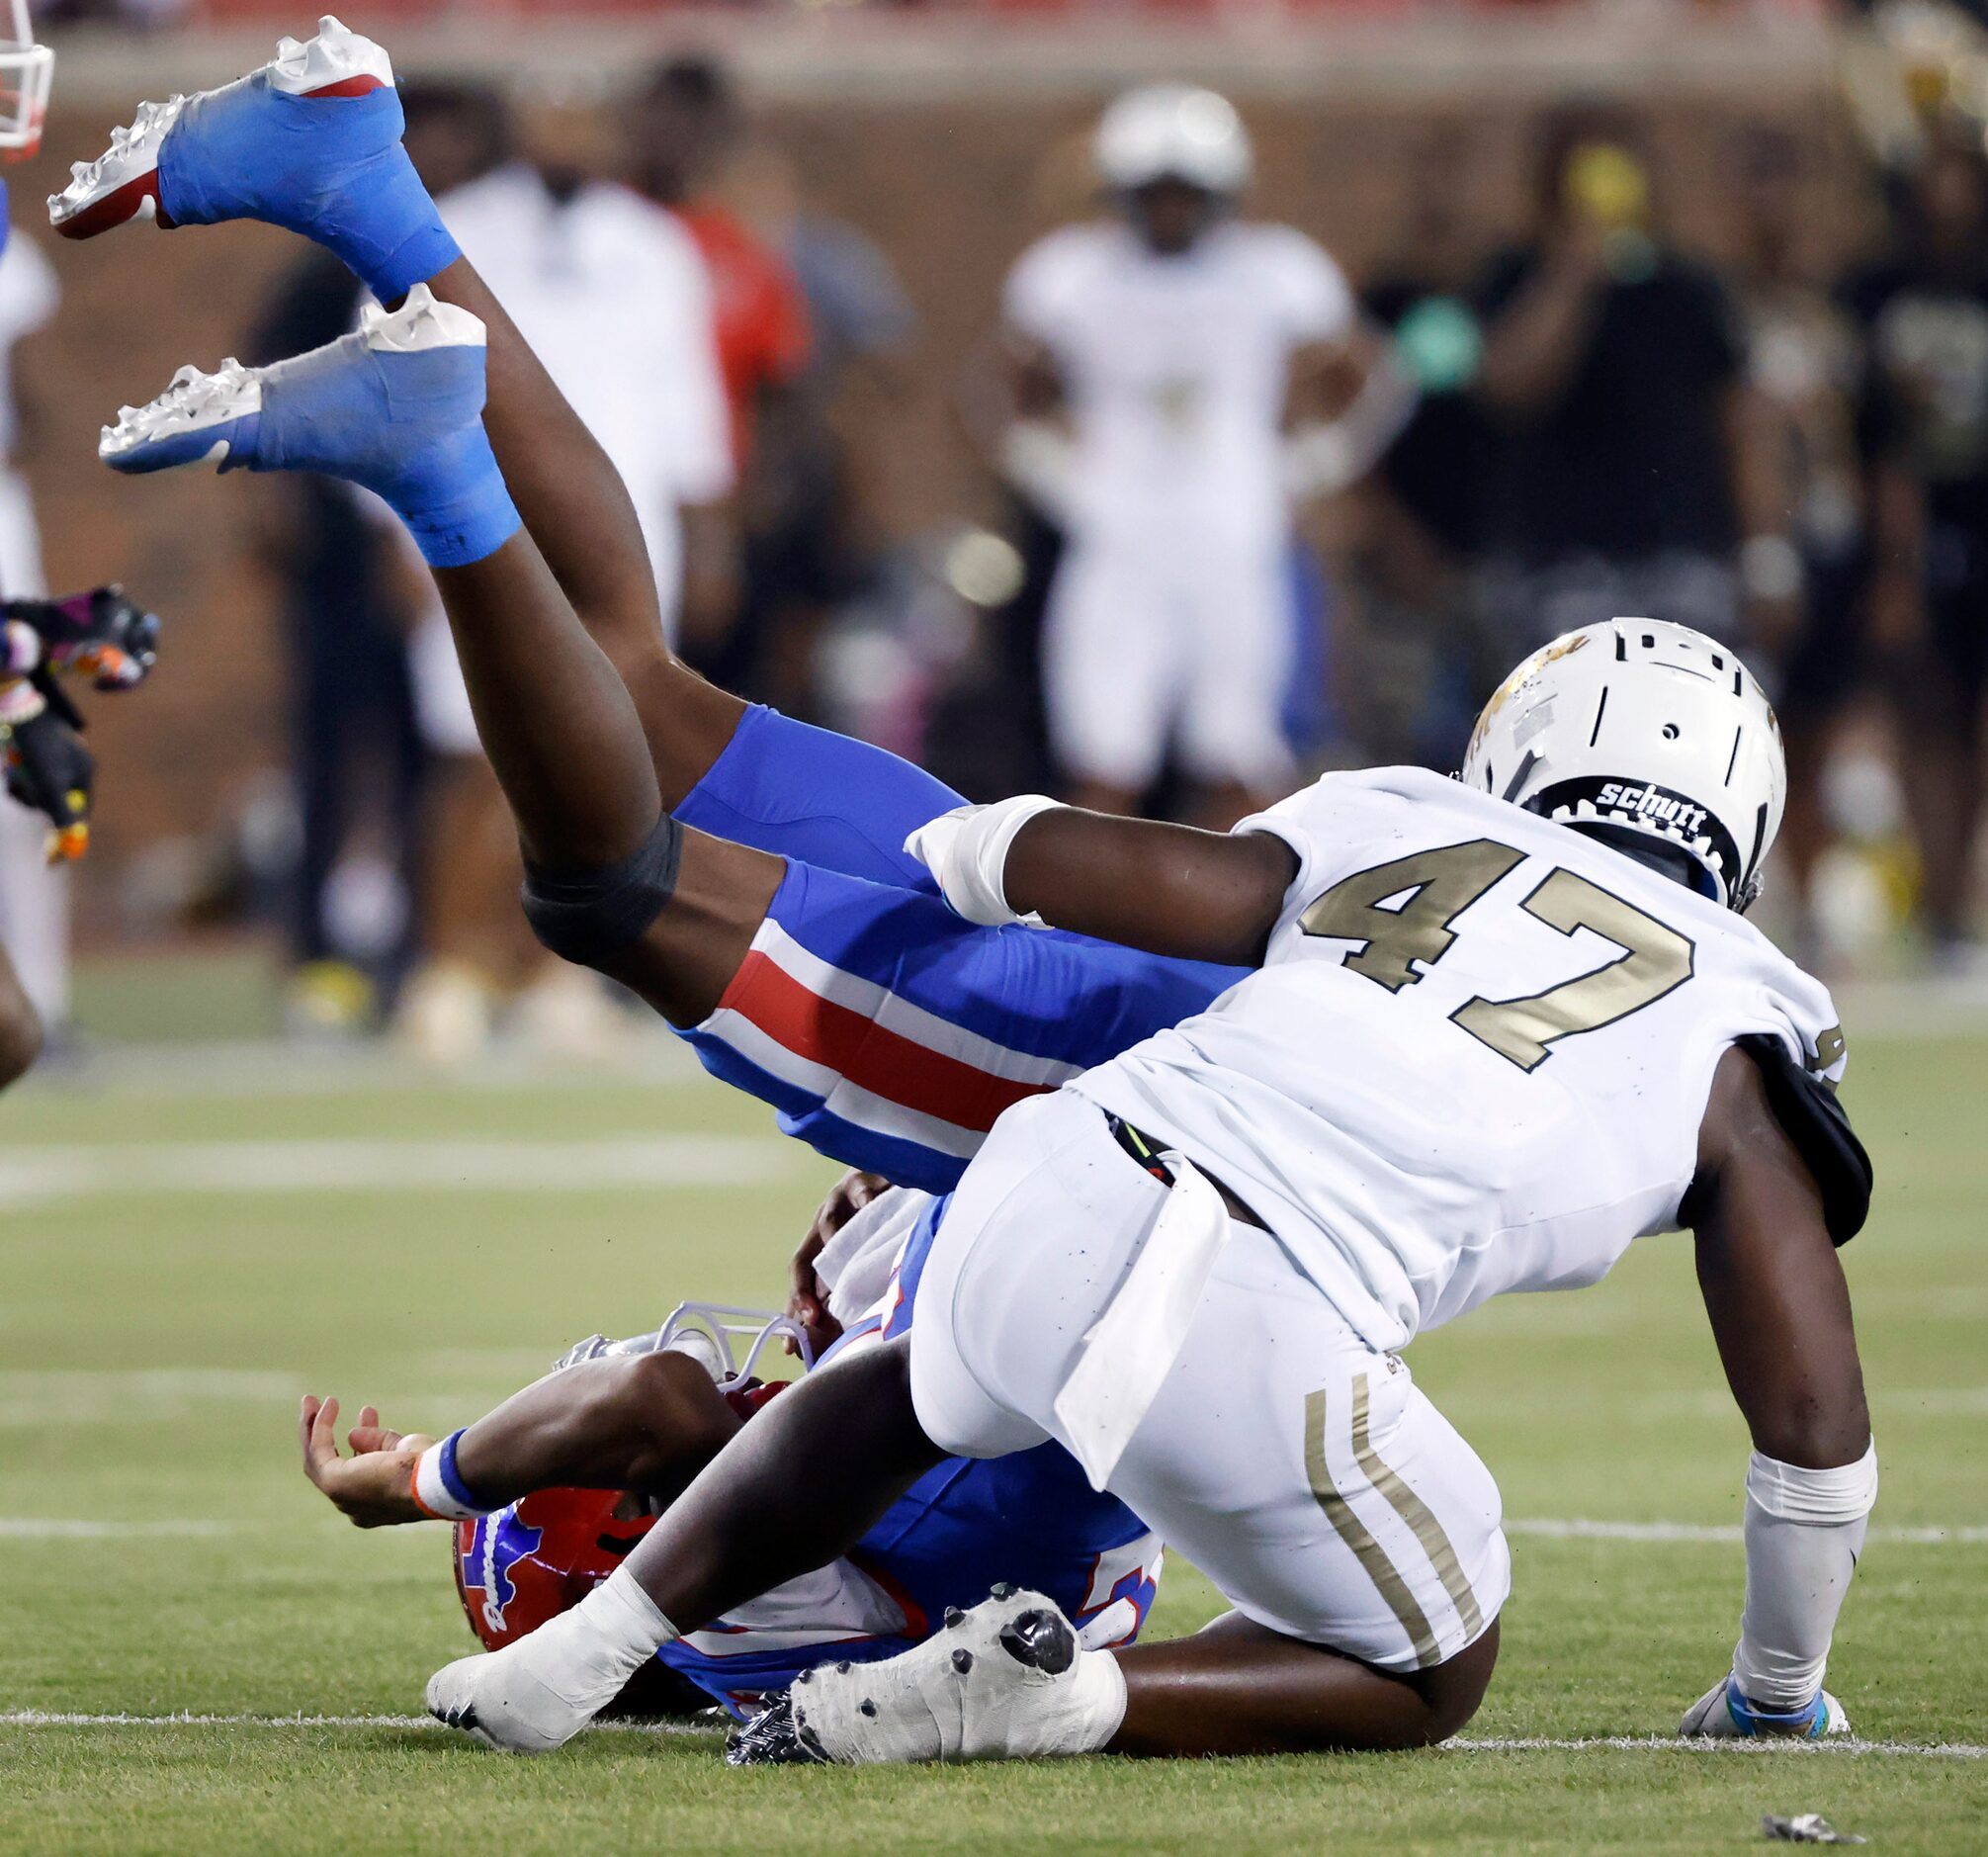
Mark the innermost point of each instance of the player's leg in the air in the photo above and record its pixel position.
(862, 1006)
(724, 766)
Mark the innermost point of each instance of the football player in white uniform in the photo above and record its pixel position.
(1486, 1035)
(1173, 373)
(1499, 1028)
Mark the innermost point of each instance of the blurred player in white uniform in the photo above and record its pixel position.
(47, 771)
(615, 299)
(34, 893)
(1158, 359)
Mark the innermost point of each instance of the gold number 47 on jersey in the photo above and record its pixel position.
(1438, 886)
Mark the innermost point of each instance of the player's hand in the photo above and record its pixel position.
(104, 635)
(806, 1301)
(1723, 1713)
(48, 768)
(372, 1488)
(965, 850)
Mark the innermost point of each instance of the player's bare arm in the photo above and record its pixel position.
(1773, 1283)
(1172, 890)
(646, 1422)
(1779, 1310)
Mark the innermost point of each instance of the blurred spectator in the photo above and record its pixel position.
(613, 296)
(1803, 360)
(1420, 532)
(686, 128)
(1926, 427)
(1633, 461)
(814, 539)
(33, 898)
(1156, 359)
(353, 731)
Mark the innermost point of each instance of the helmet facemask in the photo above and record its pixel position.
(27, 70)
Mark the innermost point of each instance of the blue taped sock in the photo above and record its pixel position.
(407, 426)
(333, 170)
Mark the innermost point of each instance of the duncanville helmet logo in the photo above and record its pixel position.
(500, 1543)
(1652, 803)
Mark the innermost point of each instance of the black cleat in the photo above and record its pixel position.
(1040, 1640)
(773, 1738)
(963, 1661)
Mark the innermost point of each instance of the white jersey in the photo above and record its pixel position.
(1476, 1057)
(614, 297)
(1175, 370)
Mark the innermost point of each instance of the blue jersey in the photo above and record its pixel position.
(883, 1028)
(1031, 1519)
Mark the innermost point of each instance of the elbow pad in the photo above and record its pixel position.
(965, 850)
(590, 916)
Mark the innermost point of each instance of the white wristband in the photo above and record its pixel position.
(967, 850)
(437, 1489)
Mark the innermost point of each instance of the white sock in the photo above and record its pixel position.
(586, 1655)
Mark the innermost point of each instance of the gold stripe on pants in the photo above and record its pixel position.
(1428, 1532)
(1371, 1556)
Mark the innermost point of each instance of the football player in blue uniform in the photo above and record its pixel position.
(552, 1490)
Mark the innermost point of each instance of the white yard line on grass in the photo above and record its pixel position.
(1489, 1744)
(1575, 1528)
(38, 1175)
(1544, 1527)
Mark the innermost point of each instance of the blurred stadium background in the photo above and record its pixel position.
(312, 1117)
(274, 840)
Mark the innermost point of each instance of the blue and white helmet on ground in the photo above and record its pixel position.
(1637, 725)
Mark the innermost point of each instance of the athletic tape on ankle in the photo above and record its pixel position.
(438, 1487)
(590, 916)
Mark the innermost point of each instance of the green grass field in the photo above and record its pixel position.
(189, 1244)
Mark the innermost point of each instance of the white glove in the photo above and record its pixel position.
(967, 848)
(1723, 1713)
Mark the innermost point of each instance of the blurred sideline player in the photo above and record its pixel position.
(45, 821)
(34, 893)
(553, 1489)
(1158, 360)
(1461, 1155)
(615, 299)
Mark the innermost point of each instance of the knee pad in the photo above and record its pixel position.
(588, 917)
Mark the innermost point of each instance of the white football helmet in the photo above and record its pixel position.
(26, 71)
(1640, 725)
(1172, 132)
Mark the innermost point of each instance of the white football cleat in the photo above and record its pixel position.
(501, 1701)
(1008, 1680)
(1723, 1713)
(238, 128)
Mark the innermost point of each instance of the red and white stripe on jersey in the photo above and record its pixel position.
(873, 1057)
